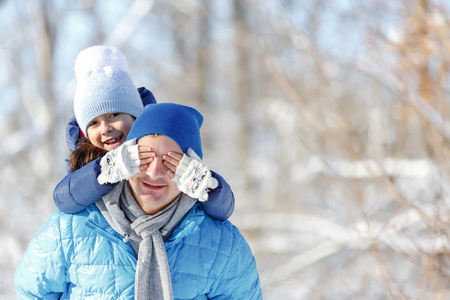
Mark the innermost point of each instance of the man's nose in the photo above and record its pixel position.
(156, 168)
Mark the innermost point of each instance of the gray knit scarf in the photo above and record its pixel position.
(146, 234)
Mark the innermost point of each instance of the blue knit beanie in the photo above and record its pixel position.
(180, 123)
(103, 85)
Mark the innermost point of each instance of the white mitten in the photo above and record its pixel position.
(120, 163)
(193, 178)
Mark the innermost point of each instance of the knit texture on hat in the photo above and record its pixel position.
(180, 123)
(103, 85)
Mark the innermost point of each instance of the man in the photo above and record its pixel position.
(144, 239)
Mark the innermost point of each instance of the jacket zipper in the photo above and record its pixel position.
(122, 243)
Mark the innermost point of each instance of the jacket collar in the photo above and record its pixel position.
(189, 225)
(98, 223)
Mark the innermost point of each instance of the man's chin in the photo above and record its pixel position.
(151, 205)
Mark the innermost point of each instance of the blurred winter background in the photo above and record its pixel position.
(329, 119)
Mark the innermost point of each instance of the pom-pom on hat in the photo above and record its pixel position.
(181, 123)
(103, 85)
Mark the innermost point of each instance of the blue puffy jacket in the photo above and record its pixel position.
(79, 189)
(80, 256)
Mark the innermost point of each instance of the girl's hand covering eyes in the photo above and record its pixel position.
(146, 155)
(192, 177)
(172, 161)
(120, 163)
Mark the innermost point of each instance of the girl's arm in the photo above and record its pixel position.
(220, 203)
(79, 189)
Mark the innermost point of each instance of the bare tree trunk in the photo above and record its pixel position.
(203, 65)
(44, 45)
(242, 93)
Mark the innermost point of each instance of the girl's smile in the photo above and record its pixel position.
(115, 142)
(110, 130)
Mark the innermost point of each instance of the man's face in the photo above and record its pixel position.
(152, 188)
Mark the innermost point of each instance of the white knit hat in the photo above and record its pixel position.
(103, 85)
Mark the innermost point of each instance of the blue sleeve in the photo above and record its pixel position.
(146, 96)
(72, 133)
(239, 279)
(41, 272)
(220, 203)
(79, 189)
(72, 136)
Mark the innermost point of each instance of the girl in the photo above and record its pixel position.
(106, 104)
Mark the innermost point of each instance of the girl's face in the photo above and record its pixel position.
(110, 130)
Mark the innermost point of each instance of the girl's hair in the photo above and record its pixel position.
(84, 154)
